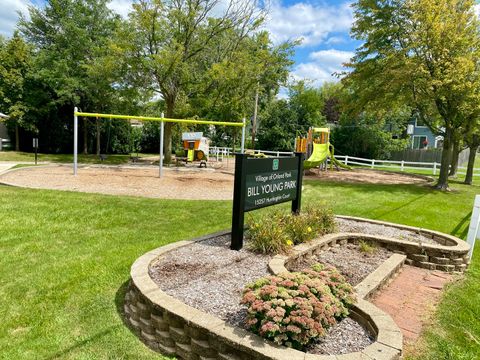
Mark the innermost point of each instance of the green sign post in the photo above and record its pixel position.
(261, 182)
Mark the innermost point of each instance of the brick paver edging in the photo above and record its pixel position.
(173, 328)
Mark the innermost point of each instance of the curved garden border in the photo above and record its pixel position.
(171, 327)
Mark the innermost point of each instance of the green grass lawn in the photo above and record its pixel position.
(65, 260)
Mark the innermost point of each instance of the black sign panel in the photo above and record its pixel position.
(270, 181)
(264, 182)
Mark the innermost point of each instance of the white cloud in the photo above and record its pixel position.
(322, 66)
(121, 7)
(335, 40)
(9, 14)
(312, 23)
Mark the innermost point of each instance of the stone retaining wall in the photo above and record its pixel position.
(450, 254)
(171, 327)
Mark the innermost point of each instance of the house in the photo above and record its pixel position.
(421, 136)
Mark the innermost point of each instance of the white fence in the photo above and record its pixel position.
(433, 167)
(220, 152)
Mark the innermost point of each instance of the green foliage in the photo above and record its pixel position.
(282, 120)
(76, 63)
(367, 247)
(293, 309)
(423, 54)
(187, 49)
(311, 223)
(277, 232)
(15, 73)
(370, 137)
(267, 236)
(307, 102)
(278, 124)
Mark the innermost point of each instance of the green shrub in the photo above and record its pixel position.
(292, 309)
(367, 247)
(276, 232)
(321, 219)
(267, 236)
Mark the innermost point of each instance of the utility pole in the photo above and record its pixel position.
(254, 122)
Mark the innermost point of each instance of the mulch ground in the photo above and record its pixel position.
(411, 297)
(189, 183)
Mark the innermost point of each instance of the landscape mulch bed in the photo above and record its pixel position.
(207, 275)
(354, 264)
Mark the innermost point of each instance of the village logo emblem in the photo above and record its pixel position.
(275, 164)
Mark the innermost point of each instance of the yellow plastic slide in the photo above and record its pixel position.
(319, 155)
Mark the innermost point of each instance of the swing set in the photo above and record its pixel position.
(162, 121)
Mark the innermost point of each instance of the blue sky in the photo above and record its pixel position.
(323, 25)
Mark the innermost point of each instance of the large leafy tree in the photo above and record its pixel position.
(255, 68)
(308, 104)
(420, 52)
(15, 69)
(278, 126)
(169, 44)
(74, 55)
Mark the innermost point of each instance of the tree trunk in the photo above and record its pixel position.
(455, 156)
(97, 123)
(471, 164)
(17, 138)
(85, 136)
(442, 183)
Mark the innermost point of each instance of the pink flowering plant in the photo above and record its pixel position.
(292, 309)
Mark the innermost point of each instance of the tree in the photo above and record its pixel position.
(472, 139)
(332, 94)
(308, 104)
(75, 58)
(278, 127)
(370, 134)
(419, 52)
(168, 43)
(249, 75)
(15, 66)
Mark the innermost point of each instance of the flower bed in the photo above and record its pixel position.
(174, 328)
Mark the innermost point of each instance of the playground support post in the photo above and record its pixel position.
(160, 163)
(243, 136)
(75, 140)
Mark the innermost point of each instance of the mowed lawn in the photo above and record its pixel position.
(65, 260)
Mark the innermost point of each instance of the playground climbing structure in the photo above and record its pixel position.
(318, 149)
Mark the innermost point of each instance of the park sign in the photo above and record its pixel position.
(262, 182)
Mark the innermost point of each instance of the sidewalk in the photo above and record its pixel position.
(6, 166)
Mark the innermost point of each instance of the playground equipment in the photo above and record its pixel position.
(196, 146)
(317, 149)
(162, 121)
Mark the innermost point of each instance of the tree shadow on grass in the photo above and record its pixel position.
(79, 344)
(463, 223)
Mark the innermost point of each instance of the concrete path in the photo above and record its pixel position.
(6, 166)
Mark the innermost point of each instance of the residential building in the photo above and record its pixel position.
(421, 136)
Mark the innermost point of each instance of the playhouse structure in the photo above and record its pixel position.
(317, 149)
(196, 146)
